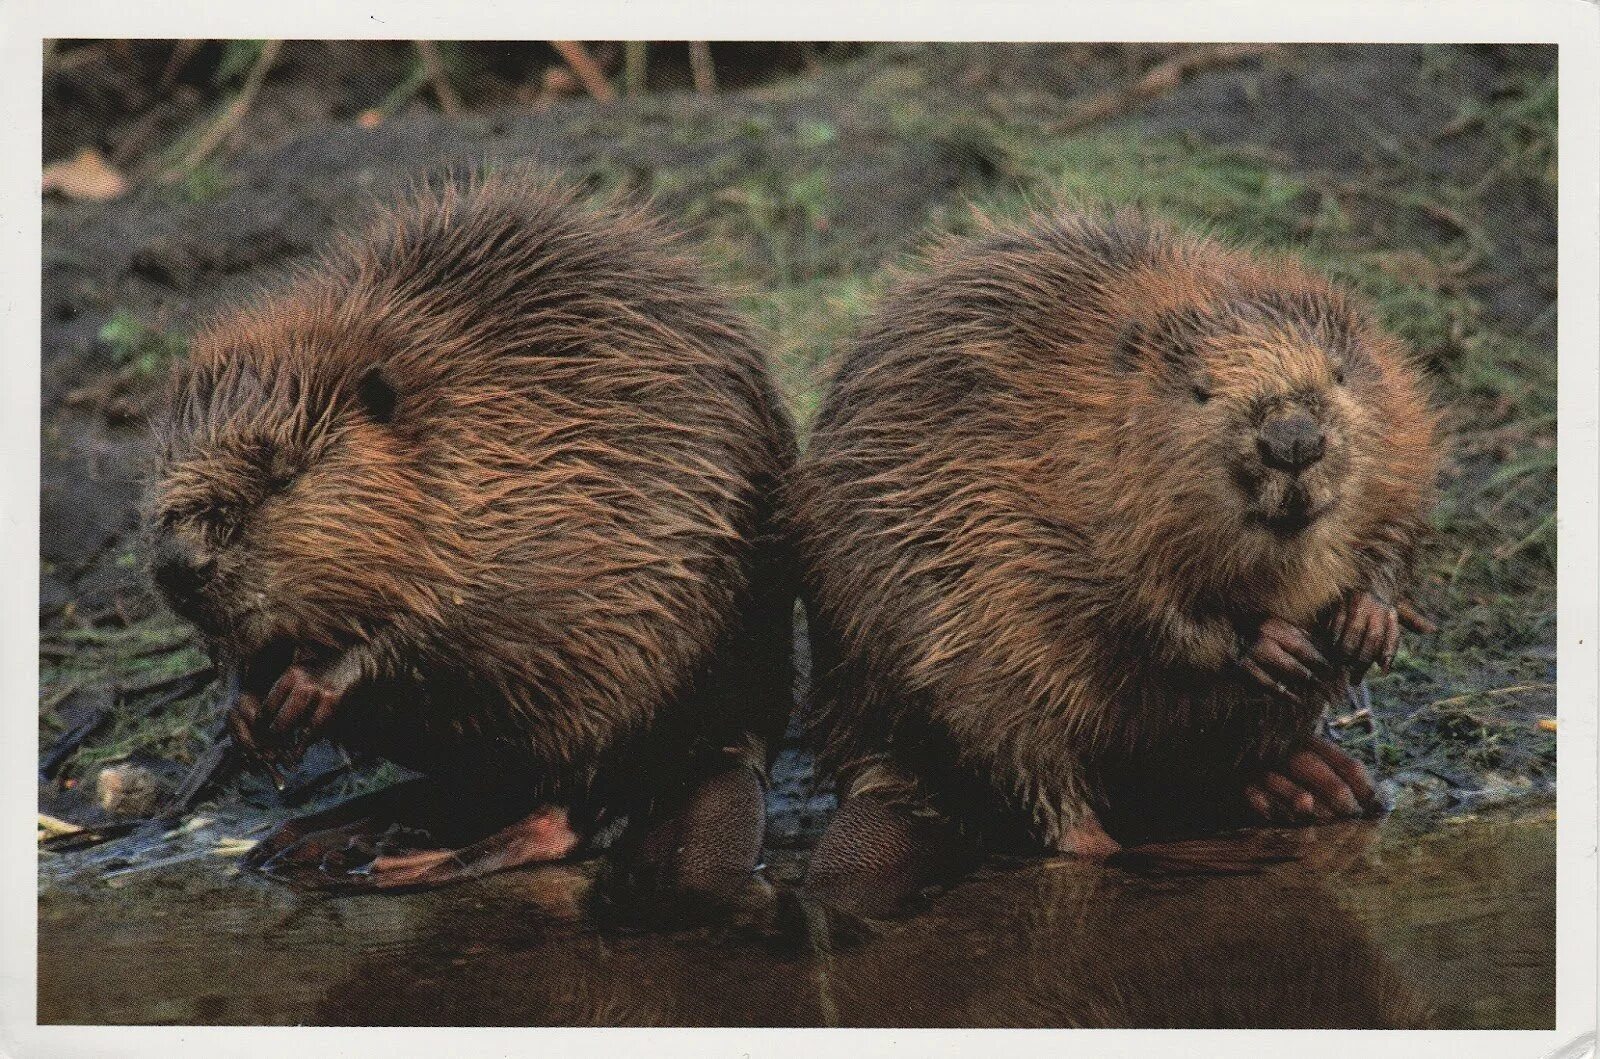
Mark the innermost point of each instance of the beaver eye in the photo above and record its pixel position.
(215, 518)
(1200, 394)
(281, 472)
(377, 395)
(1338, 374)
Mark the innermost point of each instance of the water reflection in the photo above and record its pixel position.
(1374, 926)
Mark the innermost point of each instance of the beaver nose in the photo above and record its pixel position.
(180, 572)
(1292, 442)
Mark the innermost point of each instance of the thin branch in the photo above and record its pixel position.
(182, 52)
(703, 69)
(229, 120)
(585, 68)
(1489, 693)
(1156, 81)
(438, 77)
(635, 66)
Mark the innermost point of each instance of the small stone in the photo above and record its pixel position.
(131, 789)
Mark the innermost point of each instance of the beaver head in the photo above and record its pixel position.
(1273, 422)
(282, 514)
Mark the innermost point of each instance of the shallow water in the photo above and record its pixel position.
(1449, 923)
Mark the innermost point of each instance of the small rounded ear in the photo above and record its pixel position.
(1125, 354)
(1170, 335)
(377, 395)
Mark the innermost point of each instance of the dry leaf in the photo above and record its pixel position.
(50, 827)
(86, 177)
(233, 847)
(1547, 724)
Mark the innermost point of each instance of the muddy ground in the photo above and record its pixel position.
(1424, 176)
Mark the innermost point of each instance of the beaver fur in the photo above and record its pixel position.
(494, 480)
(1096, 518)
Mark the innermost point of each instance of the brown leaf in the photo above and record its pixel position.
(86, 177)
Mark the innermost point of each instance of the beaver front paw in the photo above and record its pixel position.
(1366, 627)
(1282, 657)
(1317, 782)
(277, 728)
(1366, 631)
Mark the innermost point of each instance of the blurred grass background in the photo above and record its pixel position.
(1423, 176)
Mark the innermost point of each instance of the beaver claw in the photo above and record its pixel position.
(1366, 630)
(1282, 656)
(1317, 782)
(298, 704)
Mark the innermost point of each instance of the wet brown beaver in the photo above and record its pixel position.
(1095, 521)
(489, 492)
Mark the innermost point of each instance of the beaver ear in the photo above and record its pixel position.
(377, 395)
(1175, 335)
(1129, 345)
(1170, 336)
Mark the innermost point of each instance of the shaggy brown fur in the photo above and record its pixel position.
(506, 462)
(1037, 534)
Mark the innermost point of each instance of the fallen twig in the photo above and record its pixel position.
(583, 66)
(1512, 689)
(86, 717)
(299, 788)
(215, 764)
(1358, 717)
(54, 827)
(1158, 80)
(230, 118)
(182, 51)
(438, 78)
(161, 862)
(183, 683)
(93, 835)
(158, 694)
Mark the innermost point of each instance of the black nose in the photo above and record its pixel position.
(180, 572)
(1292, 442)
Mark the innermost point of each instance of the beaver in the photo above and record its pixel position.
(488, 492)
(1096, 518)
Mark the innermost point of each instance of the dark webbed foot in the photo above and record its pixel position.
(698, 856)
(414, 834)
(878, 853)
(1282, 659)
(1317, 782)
(719, 833)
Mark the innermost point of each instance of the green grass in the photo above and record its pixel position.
(806, 325)
(87, 657)
(136, 346)
(204, 183)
